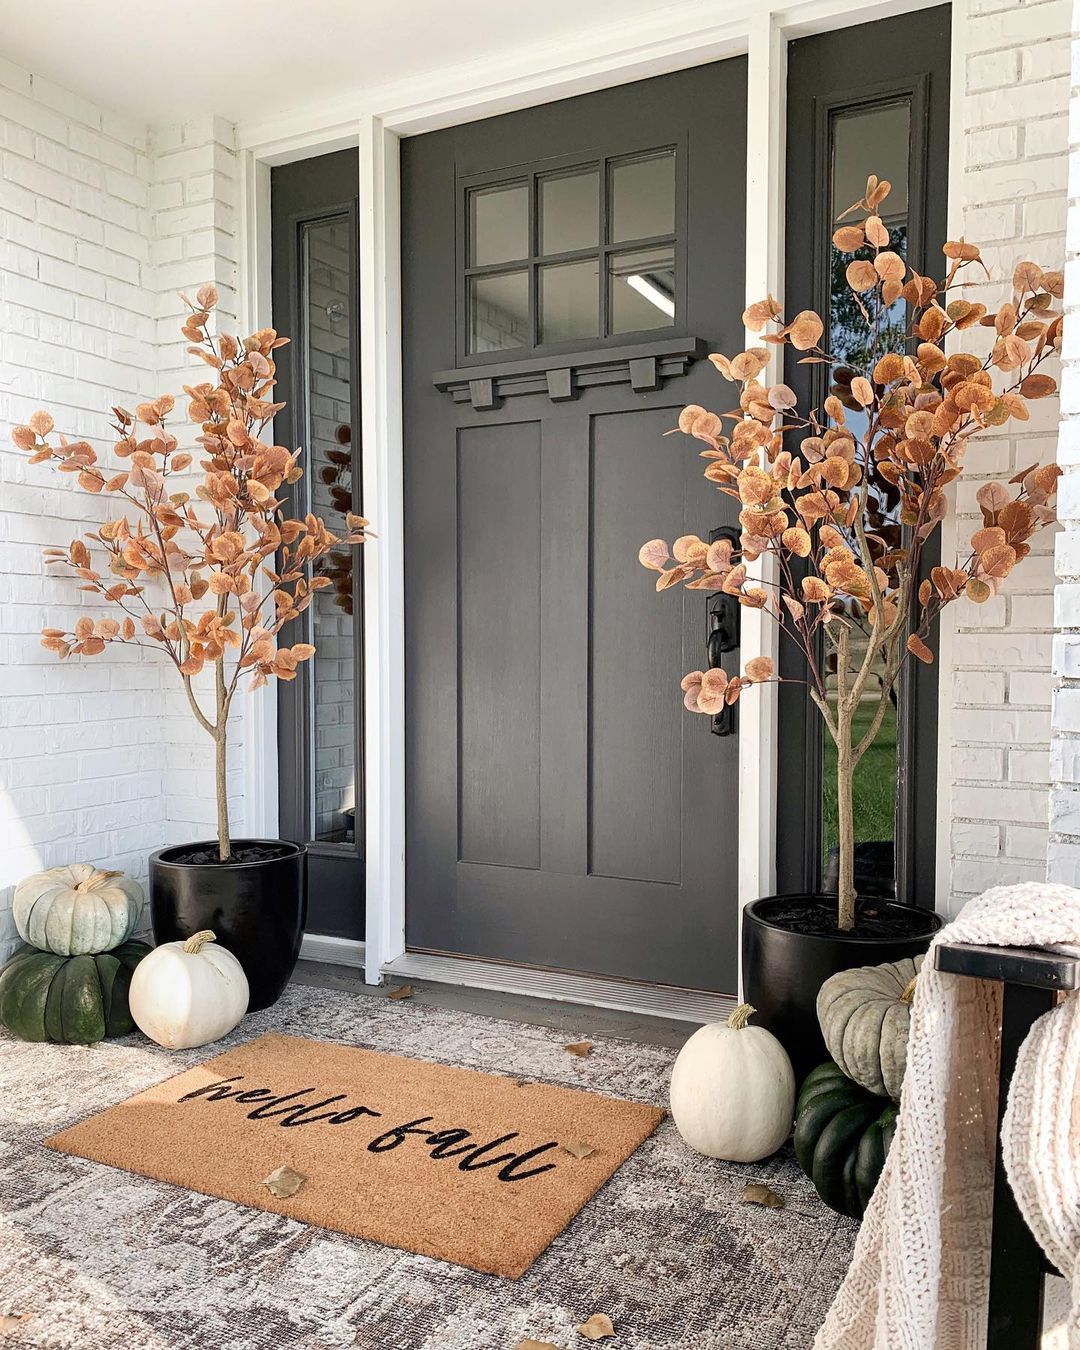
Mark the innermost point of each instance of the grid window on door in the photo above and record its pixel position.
(571, 256)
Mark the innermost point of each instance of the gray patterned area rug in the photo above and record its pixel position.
(101, 1258)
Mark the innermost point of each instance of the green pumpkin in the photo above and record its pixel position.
(841, 1138)
(73, 1000)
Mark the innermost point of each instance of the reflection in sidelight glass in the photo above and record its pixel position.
(569, 211)
(498, 224)
(641, 289)
(569, 301)
(498, 311)
(642, 197)
(328, 440)
(868, 140)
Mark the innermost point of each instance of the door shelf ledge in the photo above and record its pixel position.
(644, 366)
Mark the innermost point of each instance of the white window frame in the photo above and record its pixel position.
(375, 121)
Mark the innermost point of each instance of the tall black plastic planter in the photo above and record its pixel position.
(257, 909)
(784, 968)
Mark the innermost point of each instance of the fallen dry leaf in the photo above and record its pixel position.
(536, 1345)
(520, 1082)
(580, 1048)
(284, 1182)
(597, 1328)
(758, 1194)
(402, 991)
(577, 1148)
(8, 1321)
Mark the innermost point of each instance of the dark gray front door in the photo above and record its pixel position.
(566, 269)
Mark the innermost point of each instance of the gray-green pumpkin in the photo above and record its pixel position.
(74, 1000)
(865, 1015)
(76, 910)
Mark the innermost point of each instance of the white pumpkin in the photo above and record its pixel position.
(78, 910)
(733, 1090)
(188, 993)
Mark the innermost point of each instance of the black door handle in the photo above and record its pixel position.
(723, 614)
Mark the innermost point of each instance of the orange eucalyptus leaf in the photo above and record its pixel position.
(918, 648)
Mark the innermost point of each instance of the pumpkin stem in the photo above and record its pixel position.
(741, 1016)
(95, 879)
(194, 945)
(909, 992)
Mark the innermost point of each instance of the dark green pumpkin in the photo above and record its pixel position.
(74, 1000)
(841, 1138)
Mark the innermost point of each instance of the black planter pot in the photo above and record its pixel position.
(257, 910)
(784, 969)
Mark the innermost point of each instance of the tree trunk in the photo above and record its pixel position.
(220, 749)
(224, 841)
(845, 775)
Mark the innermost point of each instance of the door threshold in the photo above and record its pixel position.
(595, 991)
(334, 951)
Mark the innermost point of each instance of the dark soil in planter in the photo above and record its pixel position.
(874, 921)
(198, 855)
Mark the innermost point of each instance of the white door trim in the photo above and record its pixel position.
(375, 119)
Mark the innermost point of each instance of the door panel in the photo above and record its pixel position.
(562, 808)
(499, 665)
(633, 486)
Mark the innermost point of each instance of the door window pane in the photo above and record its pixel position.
(865, 141)
(330, 484)
(498, 312)
(498, 224)
(569, 212)
(641, 289)
(540, 268)
(643, 198)
(569, 301)
(871, 140)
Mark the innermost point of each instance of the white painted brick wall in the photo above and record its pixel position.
(1063, 862)
(195, 196)
(1011, 200)
(93, 243)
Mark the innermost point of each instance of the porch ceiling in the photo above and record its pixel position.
(166, 62)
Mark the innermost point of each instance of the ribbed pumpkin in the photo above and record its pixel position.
(78, 909)
(733, 1090)
(842, 1136)
(74, 1000)
(865, 1015)
(189, 993)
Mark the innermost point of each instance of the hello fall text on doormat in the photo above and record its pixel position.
(469, 1167)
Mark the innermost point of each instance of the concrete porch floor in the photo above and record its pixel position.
(95, 1256)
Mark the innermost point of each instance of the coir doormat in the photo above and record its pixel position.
(481, 1170)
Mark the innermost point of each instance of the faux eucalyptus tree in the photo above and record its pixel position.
(203, 566)
(840, 501)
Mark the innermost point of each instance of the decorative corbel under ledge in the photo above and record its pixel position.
(644, 366)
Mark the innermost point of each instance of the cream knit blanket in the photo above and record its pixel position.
(920, 1272)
